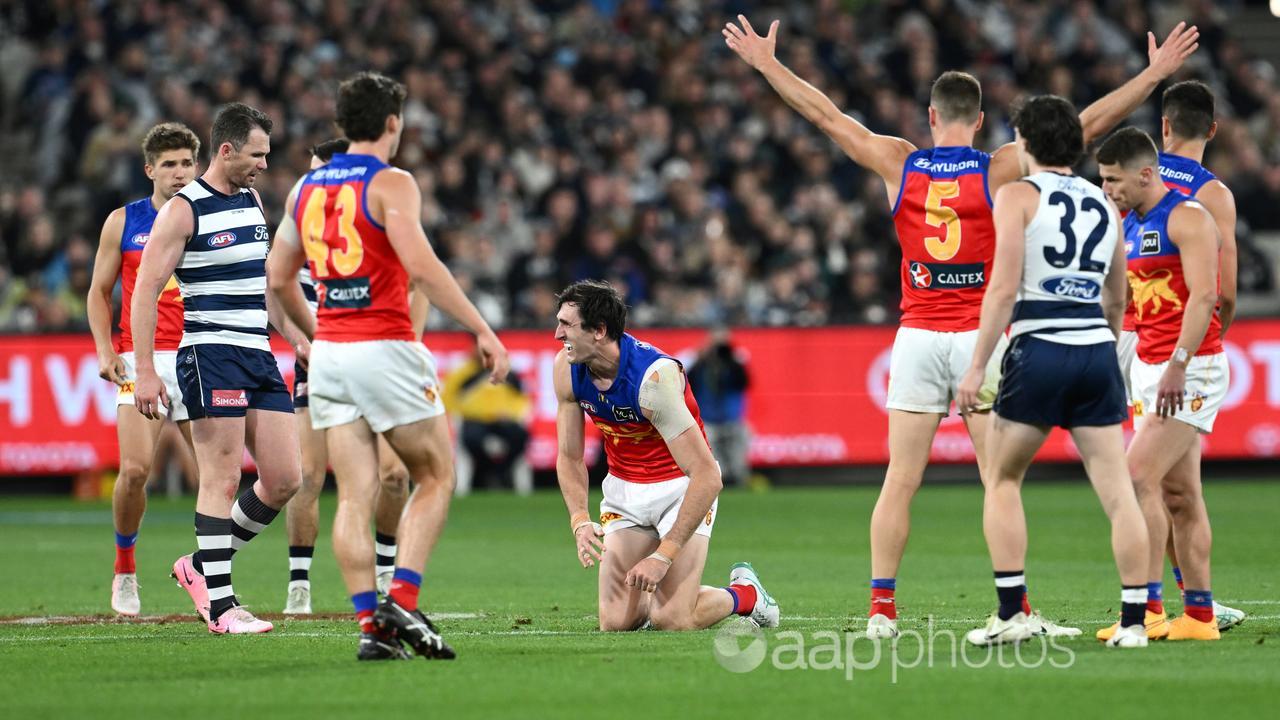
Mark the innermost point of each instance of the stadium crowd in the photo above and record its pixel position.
(562, 140)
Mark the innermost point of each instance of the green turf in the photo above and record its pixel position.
(533, 651)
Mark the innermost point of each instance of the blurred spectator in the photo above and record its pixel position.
(578, 138)
(719, 381)
(493, 421)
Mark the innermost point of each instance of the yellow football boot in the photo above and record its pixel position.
(1157, 627)
(1185, 627)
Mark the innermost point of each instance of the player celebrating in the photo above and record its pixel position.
(359, 221)
(1186, 127)
(170, 151)
(1059, 255)
(302, 514)
(214, 233)
(1180, 375)
(661, 492)
(942, 211)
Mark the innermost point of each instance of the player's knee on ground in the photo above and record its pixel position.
(617, 619)
(133, 475)
(668, 618)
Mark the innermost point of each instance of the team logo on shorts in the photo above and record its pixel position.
(430, 393)
(126, 388)
(1197, 402)
(710, 515)
(230, 398)
(1137, 408)
(606, 518)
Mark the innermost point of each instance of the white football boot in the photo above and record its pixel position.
(766, 612)
(998, 632)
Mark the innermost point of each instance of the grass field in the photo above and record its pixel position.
(521, 615)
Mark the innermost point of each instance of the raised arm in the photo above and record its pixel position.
(1110, 110)
(1221, 204)
(571, 466)
(169, 234)
(1164, 60)
(1013, 205)
(106, 269)
(396, 194)
(882, 154)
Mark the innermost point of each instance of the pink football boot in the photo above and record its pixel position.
(239, 621)
(193, 582)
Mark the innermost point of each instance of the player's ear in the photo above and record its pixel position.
(150, 171)
(1213, 130)
(981, 116)
(1165, 128)
(933, 117)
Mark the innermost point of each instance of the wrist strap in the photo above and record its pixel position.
(668, 549)
(578, 520)
(657, 555)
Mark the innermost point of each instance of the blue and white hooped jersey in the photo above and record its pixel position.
(1069, 246)
(223, 270)
(308, 284)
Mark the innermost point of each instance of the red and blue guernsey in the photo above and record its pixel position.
(362, 289)
(1159, 288)
(632, 445)
(948, 238)
(1186, 176)
(139, 216)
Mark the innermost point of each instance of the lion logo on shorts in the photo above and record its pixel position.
(1197, 402)
(1137, 408)
(606, 518)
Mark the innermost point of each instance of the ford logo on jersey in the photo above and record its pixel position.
(222, 239)
(946, 276)
(1076, 288)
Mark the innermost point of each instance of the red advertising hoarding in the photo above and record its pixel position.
(816, 397)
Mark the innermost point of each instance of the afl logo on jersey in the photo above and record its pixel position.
(920, 275)
(140, 239)
(222, 239)
(1075, 288)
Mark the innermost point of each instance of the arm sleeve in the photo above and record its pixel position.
(662, 394)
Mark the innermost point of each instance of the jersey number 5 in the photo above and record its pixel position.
(939, 215)
(346, 260)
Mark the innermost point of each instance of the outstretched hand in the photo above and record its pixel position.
(1167, 58)
(752, 48)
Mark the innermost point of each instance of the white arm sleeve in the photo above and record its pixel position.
(662, 394)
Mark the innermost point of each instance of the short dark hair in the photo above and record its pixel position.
(364, 102)
(1189, 107)
(957, 96)
(169, 136)
(1129, 148)
(599, 304)
(234, 122)
(1051, 128)
(327, 149)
